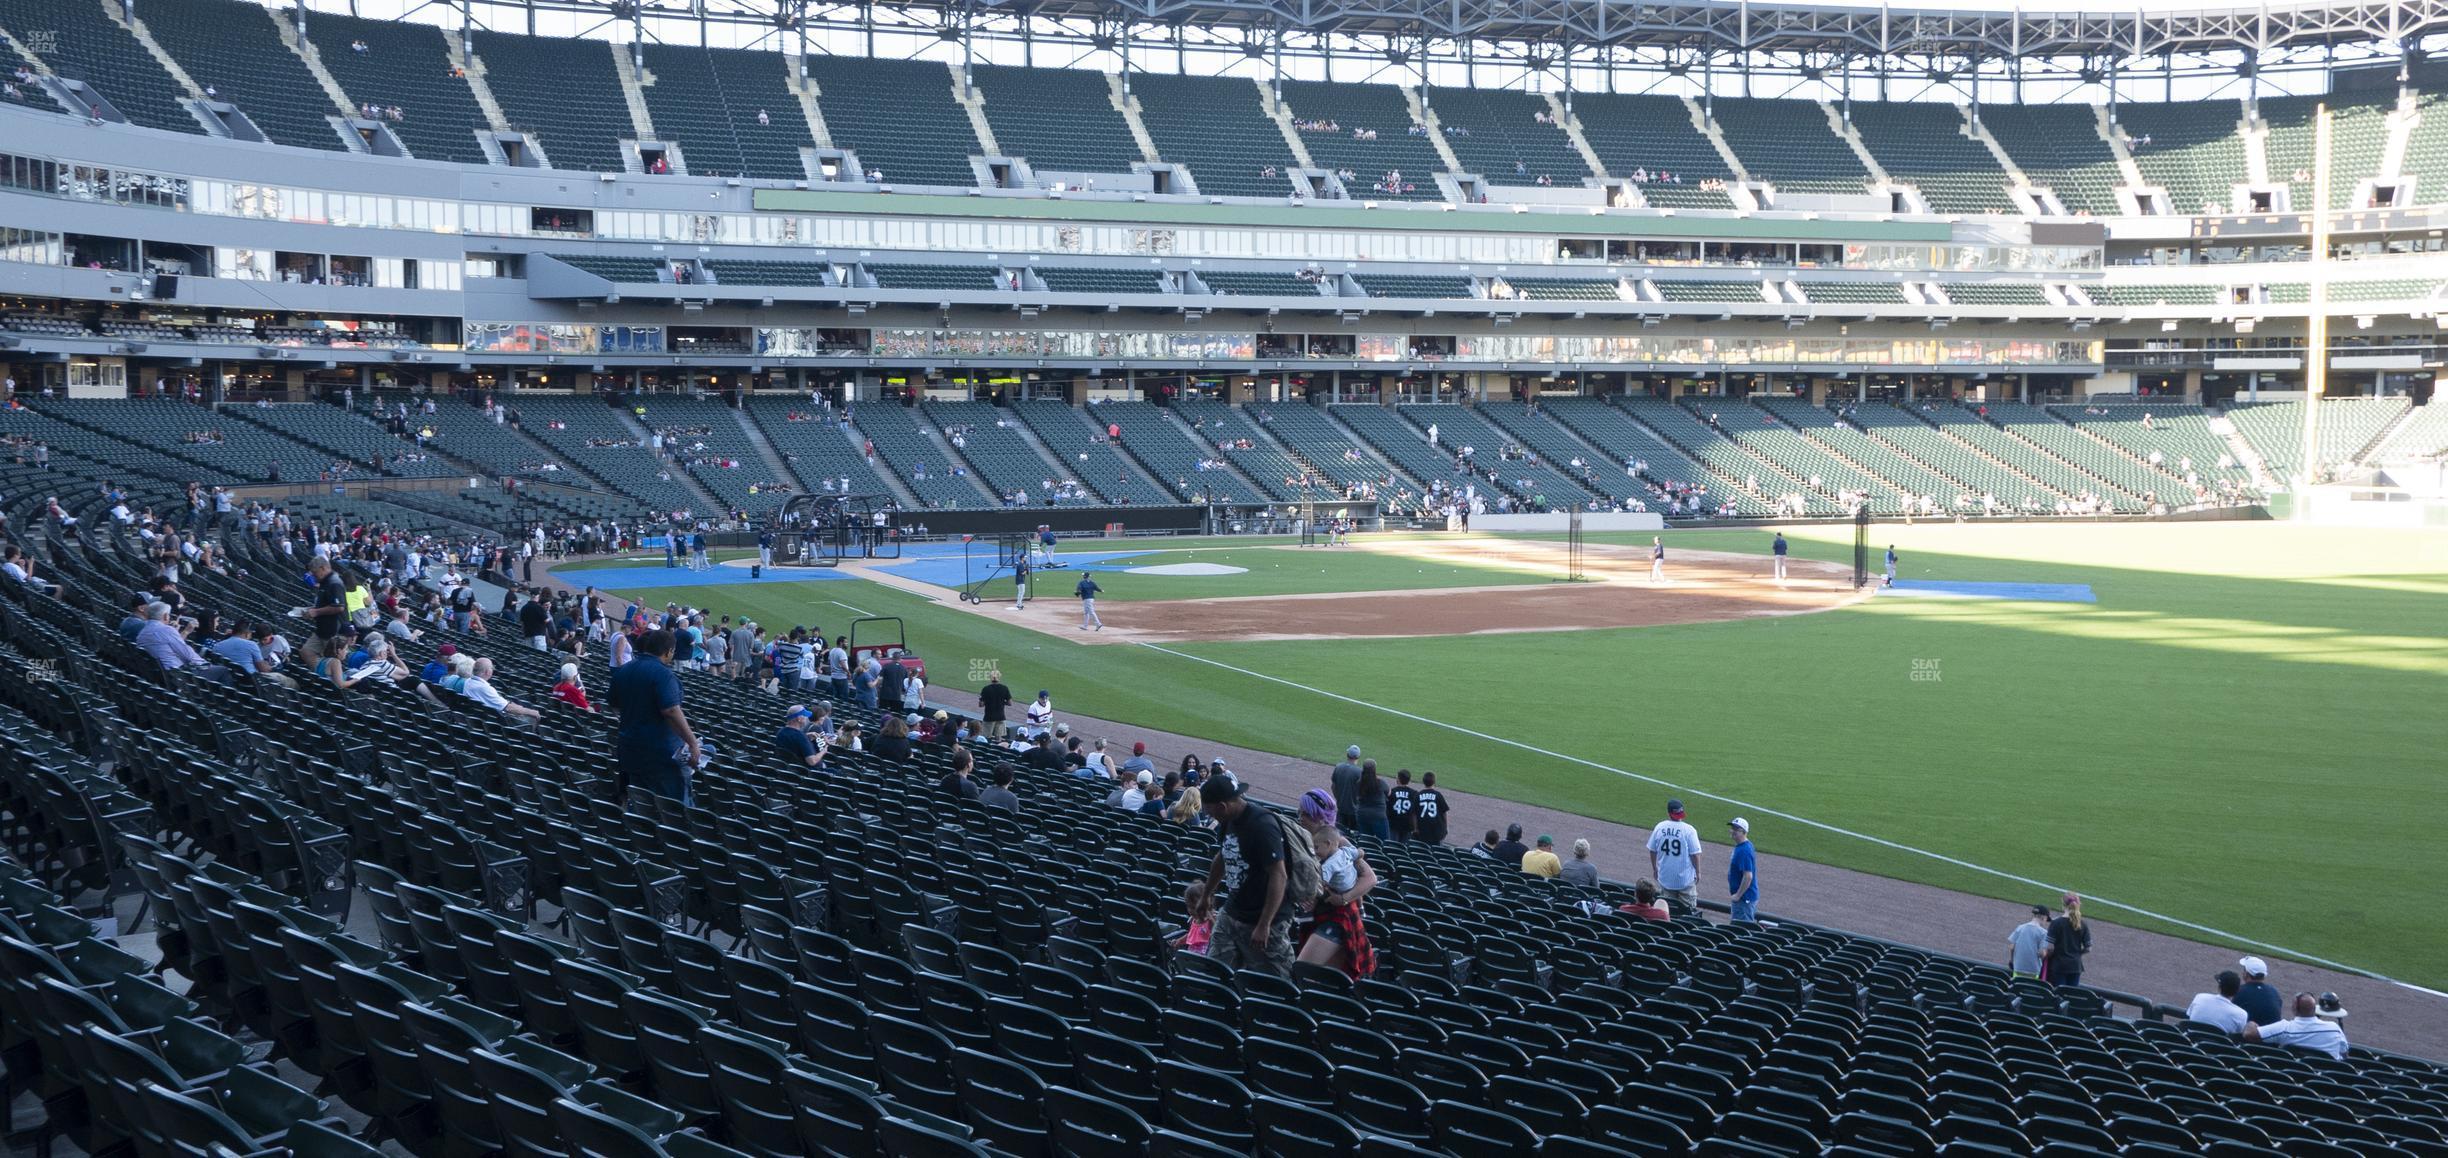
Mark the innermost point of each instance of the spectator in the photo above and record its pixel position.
(1190, 810)
(2220, 1008)
(2314, 1026)
(2069, 943)
(167, 643)
(373, 663)
(1138, 761)
(1435, 812)
(570, 691)
(1487, 846)
(1345, 780)
(440, 668)
(330, 609)
(1402, 807)
(2027, 945)
(1043, 754)
(1134, 793)
(1192, 770)
(1742, 874)
(792, 741)
(245, 648)
(1644, 903)
(1580, 870)
(892, 680)
(1198, 912)
(1338, 937)
(1254, 929)
(535, 622)
(1511, 852)
(993, 699)
(2258, 997)
(1161, 801)
(1099, 763)
(478, 686)
(998, 794)
(892, 741)
(863, 684)
(1542, 861)
(1674, 857)
(957, 783)
(1041, 710)
(656, 750)
(1369, 803)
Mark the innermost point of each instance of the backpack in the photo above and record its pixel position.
(1303, 883)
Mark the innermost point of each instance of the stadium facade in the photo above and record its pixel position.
(260, 202)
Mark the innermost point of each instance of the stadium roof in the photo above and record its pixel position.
(1981, 28)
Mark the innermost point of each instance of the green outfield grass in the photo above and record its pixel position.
(2245, 731)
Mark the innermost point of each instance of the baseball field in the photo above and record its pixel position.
(2234, 732)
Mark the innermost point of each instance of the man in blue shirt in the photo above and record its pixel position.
(765, 548)
(1778, 548)
(792, 742)
(439, 669)
(1742, 874)
(655, 750)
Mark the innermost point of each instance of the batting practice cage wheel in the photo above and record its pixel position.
(823, 530)
(1861, 546)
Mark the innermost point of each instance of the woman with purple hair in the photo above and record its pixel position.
(1337, 938)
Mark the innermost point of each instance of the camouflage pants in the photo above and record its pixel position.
(1228, 944)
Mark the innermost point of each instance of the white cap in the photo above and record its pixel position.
(1146, 777)
(2254, 967)
(1739, 822)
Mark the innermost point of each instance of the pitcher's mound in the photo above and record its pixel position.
(1186, 569)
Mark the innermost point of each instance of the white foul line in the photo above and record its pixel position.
(839, 603)
(1764, 810)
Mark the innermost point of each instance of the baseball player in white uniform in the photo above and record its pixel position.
(1674, 856)
(1657, 559)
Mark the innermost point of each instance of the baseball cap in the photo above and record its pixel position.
(1146, 777)
(2253, 966)
(1220, 787)
(798, 712)
(448, 650)
(941, 714)
(912, 719)
(2329, 1008)
(1352, 752)
(1139, 749)
(1739, 822)
(1674, 808)
(1545, 841)
(1042, 693)
(2040, 910)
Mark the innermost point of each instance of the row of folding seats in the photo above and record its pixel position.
(1107, 468)
(234, 49)
(918, 455)
(1314, 451)
(1168, 454)
(1548, 482)
(992, 443)
(407, 66)
(1060, 119)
